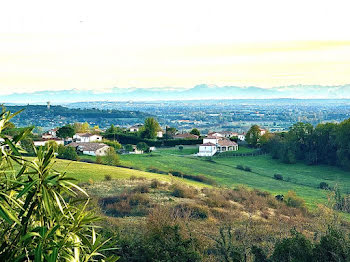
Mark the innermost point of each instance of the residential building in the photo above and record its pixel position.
(135, 128)
(92, 149)
(86, 138)
(185, 136)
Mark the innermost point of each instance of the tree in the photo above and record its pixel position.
(170, 132)
(67, 152)
(28, 146)
(142, 146)
(51, 144)
(150, 128)
(40, 219)
(112, 158)
(128, 147)
(112, 130)
(65, 132)
(253, 135)
(296, 248)
(81, 127)
(195, 131)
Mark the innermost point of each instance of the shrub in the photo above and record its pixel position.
(155, 170)
(292, 200)
(192, 211)
(182, 191)
(98, 160)
(155, 183)
(67, 152)
(181, 148)
(142, 188)
(136, 178)
(108, 177)
(112, 158)
(324, 185)
(176, 173)
(125, 204)
(240, 167)
(278, 176)
(248, 169)
(215, 199)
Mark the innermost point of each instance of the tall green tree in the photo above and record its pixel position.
(65, 132)
(195, 131)
(150, 128)
(253, 135)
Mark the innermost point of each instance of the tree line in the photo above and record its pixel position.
(327, 143)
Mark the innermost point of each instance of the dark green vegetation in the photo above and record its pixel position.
(42, 216)
(325, 144)
(40, 116)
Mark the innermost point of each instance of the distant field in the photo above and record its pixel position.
(301, 178)
(190, 150)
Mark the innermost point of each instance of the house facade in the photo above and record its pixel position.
(92, 149)
(212, 145)
(86, 138)
(185, 136)
(135, 128)
(43, 141)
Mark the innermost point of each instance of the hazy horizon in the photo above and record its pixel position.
(86, 45)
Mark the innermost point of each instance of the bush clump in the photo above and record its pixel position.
(324, 185)
(240, 167)
(278, 176)
(192, 211)
(247, 168)
(142, 188)
(155, 170)
(292, 200)
(182, 191)
(155, 183)
(108, 177)
(198, 178)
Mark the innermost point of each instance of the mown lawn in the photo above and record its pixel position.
(299, 177)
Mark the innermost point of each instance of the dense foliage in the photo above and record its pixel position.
(41, 216)
(325, 144)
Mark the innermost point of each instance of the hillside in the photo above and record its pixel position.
(301, 178)
(40, 115)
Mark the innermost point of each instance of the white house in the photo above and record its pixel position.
(227, 134)
(92, 149)
(160, 133)
(135, 128)
(262, 131)
(241, 137)
(207, 149)
(43, 141)
(213, 144)
(211, 139)
(50, 134)
(86, 138)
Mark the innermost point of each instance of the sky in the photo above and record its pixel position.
(98, 45)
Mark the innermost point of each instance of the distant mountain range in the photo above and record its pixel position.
(199, 92)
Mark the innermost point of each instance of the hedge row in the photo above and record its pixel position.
(132, 139)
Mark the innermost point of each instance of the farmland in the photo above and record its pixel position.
(301, 178)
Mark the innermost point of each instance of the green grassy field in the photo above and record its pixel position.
(85, 171)
(299, 177)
